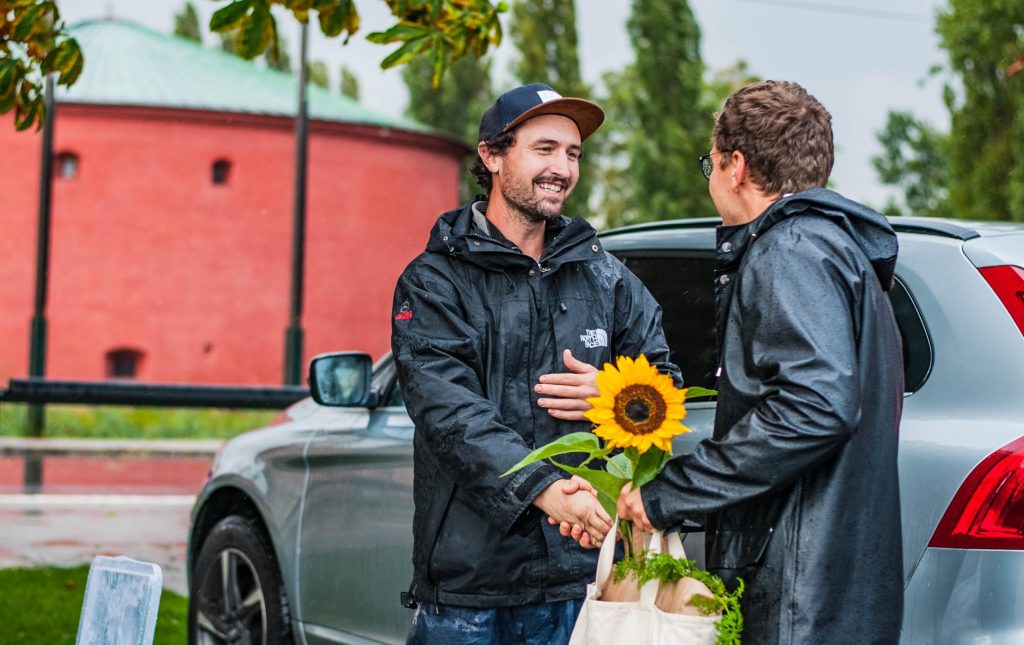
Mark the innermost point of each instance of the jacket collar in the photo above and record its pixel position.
(456, 234)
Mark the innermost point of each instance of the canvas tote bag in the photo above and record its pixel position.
(651, 615)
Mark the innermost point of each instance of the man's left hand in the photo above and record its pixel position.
(631, 507)
(571, 388)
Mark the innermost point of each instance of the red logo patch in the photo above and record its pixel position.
(405, 313)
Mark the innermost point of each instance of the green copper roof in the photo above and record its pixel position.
(127, 64)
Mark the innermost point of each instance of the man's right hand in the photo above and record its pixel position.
(573, 503)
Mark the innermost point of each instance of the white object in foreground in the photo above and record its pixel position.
(122, 597)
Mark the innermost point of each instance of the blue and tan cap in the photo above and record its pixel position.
(518, 105)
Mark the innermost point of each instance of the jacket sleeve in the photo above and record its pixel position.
(437, 350)
(638, 326)
(799, 345)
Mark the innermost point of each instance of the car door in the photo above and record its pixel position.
(355, 548)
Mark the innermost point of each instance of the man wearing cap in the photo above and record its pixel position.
(507, 291)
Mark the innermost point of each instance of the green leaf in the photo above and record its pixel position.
(405, 53)
(257, 32)
(33, 20)
(621, 466)
(648, 465)
(74, 70)
(9, 73)
(229, 16)
(585, 442)
(698, 392)
(403, 31)
(608, 485)
(338, 18)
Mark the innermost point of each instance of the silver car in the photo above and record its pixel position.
(303, 532)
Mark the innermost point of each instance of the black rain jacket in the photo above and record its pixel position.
(799, 483)
(476, 323)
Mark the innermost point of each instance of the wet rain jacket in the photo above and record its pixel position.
(476, 323)
(799, 483)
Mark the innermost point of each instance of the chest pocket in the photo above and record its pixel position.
(583, 319)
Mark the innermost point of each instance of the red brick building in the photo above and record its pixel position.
(172, 216)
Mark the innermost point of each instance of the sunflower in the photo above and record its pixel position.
(638, 406)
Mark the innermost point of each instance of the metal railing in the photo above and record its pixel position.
(41, 391)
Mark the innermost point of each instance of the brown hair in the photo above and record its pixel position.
(499, 145)
(784, 133)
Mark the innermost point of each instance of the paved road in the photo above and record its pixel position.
(100, 506)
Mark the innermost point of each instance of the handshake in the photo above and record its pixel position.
(572, 504)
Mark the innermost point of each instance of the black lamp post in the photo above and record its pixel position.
(37, 341)
(293, 335)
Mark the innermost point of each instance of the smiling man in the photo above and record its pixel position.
(507, 291)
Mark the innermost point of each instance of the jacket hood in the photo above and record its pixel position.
(869, 229)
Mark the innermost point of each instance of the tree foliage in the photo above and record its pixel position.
(984, 39)
(661, 118)
(32, 44)
(33, 41)
(350, 82)
(318, 75)
(186, 24)
(456, 106)
(276, 56)
(914, 159)
(544, 33)
(442, 30)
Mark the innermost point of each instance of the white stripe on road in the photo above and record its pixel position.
(46, 500)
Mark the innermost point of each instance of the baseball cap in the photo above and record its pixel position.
(515, 106)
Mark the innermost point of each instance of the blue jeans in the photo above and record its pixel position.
(539, 624)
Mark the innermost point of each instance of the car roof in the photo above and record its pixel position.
(944, 227)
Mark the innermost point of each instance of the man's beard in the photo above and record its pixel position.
(523, 198)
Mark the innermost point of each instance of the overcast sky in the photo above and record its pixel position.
(861, 58)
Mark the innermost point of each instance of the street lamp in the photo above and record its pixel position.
(293, 335)
(33, 477)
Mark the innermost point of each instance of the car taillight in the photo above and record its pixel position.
(1008, 283)
(988, 510)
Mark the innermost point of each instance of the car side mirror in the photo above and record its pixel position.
(341, 379)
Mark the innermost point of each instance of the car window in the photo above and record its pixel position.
(684, 287)
(917, 348)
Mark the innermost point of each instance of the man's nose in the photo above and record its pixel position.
(560, 165)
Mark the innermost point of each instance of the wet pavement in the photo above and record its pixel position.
(100, 506)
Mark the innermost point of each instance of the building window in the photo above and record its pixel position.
(123, 363)
(221, 172)
(67, 165)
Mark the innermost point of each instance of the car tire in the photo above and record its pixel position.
(236, 594)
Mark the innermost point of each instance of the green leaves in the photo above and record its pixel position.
(648, 465)
(67, 59)
(230, 16)
(40, 47)
(441, 29)
(699, 392)
(575, 442)
(337, 18)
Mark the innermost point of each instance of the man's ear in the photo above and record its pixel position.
(738, 171)
(489, 158)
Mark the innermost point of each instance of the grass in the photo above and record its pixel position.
(42, 605)
(120, 422)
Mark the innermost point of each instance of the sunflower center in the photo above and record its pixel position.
(639, 409)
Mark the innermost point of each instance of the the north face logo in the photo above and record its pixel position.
(595, 338)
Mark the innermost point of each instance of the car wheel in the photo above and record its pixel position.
(237, 595)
